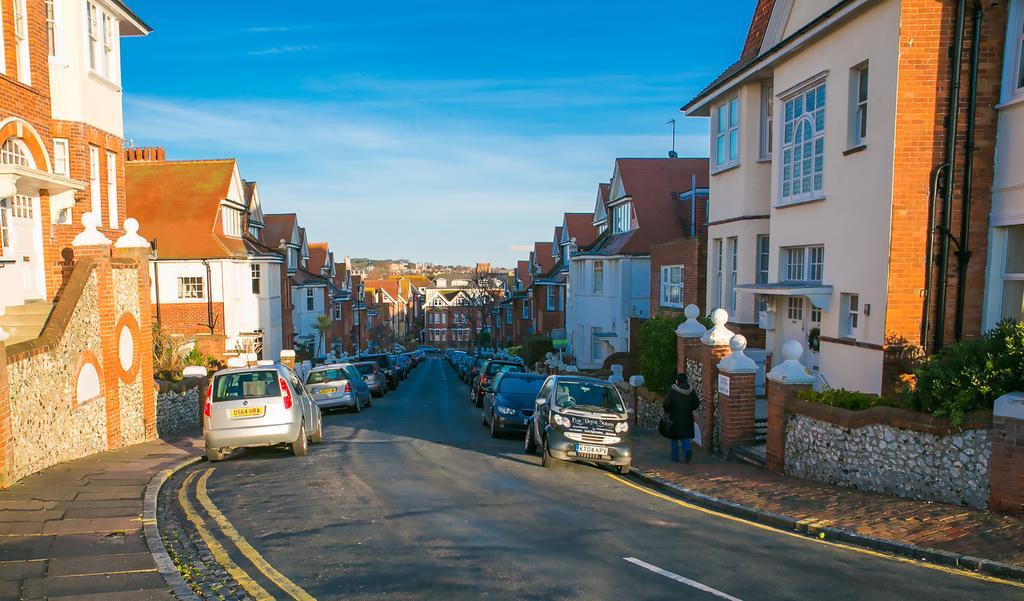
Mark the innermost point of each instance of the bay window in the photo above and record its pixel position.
(727, 128)
(803, 146)
(597, 284)
(622, 217)
(672, 286)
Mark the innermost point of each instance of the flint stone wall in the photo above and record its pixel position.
(886, 459)
(126, 300)
(648, 410)
(46, 425)
(178, 407)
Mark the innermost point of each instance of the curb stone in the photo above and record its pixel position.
(152, 532)
(807, 528)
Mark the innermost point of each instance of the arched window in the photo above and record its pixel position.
(803, 146)
(14, 152)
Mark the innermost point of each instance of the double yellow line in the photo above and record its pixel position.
(251, 587)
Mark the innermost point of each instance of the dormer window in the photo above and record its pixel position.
(232, 222)
(622, 216)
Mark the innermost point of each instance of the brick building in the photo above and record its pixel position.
(829, 135)
(678, 267)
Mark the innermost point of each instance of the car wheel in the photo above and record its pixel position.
(622, 469)
(318, 436)
(369, 400)
(300, 445)
(214, 454)
(357, 407)
(546, 459)
(377, 394)
(483, 418)
(529, 444)
(494, 429)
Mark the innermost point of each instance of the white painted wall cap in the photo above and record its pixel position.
(737, 362)
(1010, 405)
(287, 353)
(636, 381)
(194, 371)
(90, 236)
(718, 335)
(131, 239)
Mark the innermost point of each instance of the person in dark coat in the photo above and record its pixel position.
(679, 405)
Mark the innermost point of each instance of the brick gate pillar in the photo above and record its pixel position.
(782, 383)
(135, 247)
(715, 344)
(1006, 468)
(736, 396)
(91, 244)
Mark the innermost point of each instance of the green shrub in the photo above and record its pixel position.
(658, 353)
(515, 351)
(846, 399)
(535, 348)
(970, 375)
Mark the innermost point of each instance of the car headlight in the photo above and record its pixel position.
(565, 422)
(622, 427)
(505, 410)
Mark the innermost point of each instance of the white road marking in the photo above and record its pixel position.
(678, 578)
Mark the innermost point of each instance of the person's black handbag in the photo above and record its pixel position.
(665, 425)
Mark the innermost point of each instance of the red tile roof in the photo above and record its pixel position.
(542, 255)
(277, 227)
(387, 285)
(317, 257)
(523, 269)
(581, 227)
(178, 203)
(654, 186)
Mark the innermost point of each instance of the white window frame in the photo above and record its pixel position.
(860, 77)
(255, 278)
(1003, 244)
(551, 297)
(725, 151)
(767, 119)
(51, 28)
(802, 263)
(795, 308)
(717, 258)
(668, 286)
(191, 287)
(310, 300)
(732, 244)
(596, 352)
(96, 202)
(597, 278)
(526, 309)
(622, 217)
(764, 250)
(1013, 68)
(508, 315)
(792, 172)
(112, 213)
(232, 221)
(62, 157)
(92, 36)
(21, 49)
(107, 45)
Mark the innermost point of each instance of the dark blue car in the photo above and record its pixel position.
(509, 403)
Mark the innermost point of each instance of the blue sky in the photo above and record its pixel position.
(448, 131)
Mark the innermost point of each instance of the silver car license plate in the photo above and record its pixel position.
(589, 449)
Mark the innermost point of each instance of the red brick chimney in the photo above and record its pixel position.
(148, 153)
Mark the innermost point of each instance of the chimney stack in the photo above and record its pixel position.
(144, 154)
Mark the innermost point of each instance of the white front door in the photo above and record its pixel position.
(23, 243)
(793, 314)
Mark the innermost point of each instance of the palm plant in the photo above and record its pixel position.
(323, 324)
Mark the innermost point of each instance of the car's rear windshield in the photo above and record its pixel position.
(588, 396)
(521, 385)
(246, 385)
(494, 368)
(479, 361)
(381, 360)
(326, 375)
(366, 368)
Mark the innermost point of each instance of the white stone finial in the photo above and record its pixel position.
(691, 328)
(737, 362)
(718, 335)
(1010, 405)
(131, 239)
(616, 376)
(790, 370)
(90, 236)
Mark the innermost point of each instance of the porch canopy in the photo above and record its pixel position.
(18, 179)
(819, 295)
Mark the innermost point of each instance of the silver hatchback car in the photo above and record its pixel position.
(259, 406)
(338, 385)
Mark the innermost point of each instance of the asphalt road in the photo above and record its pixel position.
(412, 499)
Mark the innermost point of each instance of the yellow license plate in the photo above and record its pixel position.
(327, 390)
(247, 412)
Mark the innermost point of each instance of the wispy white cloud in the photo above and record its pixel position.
(283, 50)
(443, 189)
(520, 247)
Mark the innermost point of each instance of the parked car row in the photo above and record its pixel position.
(269, 405)
(564, 417)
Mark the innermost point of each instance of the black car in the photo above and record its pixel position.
(473, 368)
(509, 402)
(580, 419)
(490, 369)
(384, 361)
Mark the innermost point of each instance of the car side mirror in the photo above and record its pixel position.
(540, 402)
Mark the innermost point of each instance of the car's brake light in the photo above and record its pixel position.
(208, 405)
(483, 381)
(286, 394)
(348, 387)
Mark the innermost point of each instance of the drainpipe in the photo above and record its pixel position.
(156, 280)
(964, 251)
(209, 296)
(947, 201)
(926, 311)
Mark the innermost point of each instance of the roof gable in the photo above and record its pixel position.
(601, 204)
(278, 227)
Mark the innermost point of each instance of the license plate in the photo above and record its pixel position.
(327, 391)
(247, 412)
(588, 449)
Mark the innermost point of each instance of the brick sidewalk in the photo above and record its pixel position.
(992, 536)
(74, 531)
